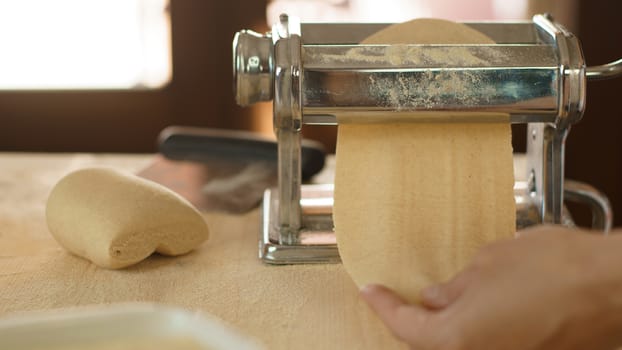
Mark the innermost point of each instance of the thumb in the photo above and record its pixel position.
(442, 295)
(406, 321)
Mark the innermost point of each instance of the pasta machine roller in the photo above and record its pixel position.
(319, 74)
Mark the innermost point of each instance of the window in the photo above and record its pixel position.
(397, 10)
(84, 44)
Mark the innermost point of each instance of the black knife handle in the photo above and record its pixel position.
(202, 144)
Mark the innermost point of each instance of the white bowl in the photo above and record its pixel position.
(119, 326)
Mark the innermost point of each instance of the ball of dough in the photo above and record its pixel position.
(116, 220)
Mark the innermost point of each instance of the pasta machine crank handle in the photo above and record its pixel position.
(602, 214)
(605, 71)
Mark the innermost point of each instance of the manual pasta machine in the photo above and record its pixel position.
(317, 73)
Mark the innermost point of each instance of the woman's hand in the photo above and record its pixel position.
(551, 288)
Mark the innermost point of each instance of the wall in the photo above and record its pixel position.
(594, 146)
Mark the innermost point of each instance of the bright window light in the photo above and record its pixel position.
(84, 44)
(396, 10)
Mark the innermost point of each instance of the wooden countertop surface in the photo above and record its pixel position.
(284, 307)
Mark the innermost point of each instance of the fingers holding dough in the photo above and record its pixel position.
(116, 220)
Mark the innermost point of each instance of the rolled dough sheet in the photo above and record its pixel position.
(414, 201)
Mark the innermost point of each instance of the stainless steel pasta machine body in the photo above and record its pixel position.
(321, 74)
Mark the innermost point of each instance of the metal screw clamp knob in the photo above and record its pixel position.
(253, 67)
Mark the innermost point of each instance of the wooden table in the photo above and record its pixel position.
(284, 307)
